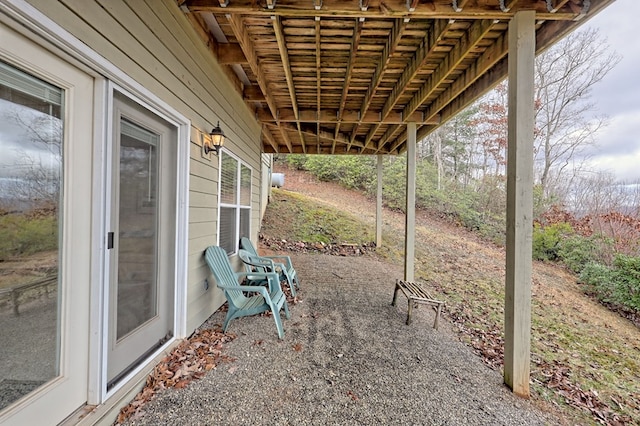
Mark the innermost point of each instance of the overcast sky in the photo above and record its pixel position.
(618, 94)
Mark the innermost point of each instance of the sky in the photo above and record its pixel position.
(617, 147)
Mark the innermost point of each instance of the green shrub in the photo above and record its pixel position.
(599, 280)
(297, 161)
(619, 285)
(350, 171)
(627, 285)
(576, 251)
(547, 240)
(25, 235)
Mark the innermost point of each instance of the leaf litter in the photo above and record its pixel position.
(189, 361)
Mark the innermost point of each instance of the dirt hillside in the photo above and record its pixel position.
(575, 366)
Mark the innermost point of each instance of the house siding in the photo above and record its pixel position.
(153, 42)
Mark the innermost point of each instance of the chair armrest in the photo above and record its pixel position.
(257, 261)
(272, 277)
(248, 288)
(260, 262)
(286, 260)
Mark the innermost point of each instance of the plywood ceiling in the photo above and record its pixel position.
(345, 76)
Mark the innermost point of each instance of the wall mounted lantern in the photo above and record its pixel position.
(216, 142)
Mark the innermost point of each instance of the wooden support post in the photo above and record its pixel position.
(519, 203)
(410, 216)
(379, 204)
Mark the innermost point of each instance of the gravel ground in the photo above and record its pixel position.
(347, 359)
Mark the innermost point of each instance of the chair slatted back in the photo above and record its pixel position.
(224, 274)
(247, 245)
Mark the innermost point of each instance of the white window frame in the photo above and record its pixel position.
(238, 204)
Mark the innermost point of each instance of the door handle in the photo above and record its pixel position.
(109, 240)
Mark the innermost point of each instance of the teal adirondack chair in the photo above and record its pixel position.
(264, 299)
(284, 262)
(263, 264)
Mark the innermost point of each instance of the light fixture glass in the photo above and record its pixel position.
(217, 140)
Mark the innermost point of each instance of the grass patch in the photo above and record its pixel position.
(296, 218)
(24, 235)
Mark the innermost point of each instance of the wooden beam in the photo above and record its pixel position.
(266, 133)
(253, 93)
(410, 208)
(517, 310)
(436, 33)
(488, 69)
(231, 53)
(355, 42)
(318, 75)
(387, 9)
(446, 67)
(322, 135)
(381, 66)
(202, 30)
(248, 48)
(284, 56)
(388, 134)
(491, 56)
(330, 116)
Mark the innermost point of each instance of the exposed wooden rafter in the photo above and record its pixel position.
(386, 9)
(428, 45)
(229, 54)
(330, 116)
(388, 50)
(468, 42)
(355, 42)
(284, 55)
(318, 76)
(346, 76)
(249, 51)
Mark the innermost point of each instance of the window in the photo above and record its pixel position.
(235, 202)
(31, 170)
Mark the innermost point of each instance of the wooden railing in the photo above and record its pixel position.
(27, 292)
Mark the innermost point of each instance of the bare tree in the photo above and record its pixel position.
(594, 193)
(491, 124)
(565, 75)
(34, 169)
(450, 148)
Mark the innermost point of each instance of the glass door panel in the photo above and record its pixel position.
(31, 126)
(46, 148)
(142, 241)
(138, 216)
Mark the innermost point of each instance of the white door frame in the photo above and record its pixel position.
(132, 109)
(67, 390)
(182, 164)
(38, 27)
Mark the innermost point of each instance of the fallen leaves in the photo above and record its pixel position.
(337, 249)
(487, 340)
(190, 360)
(352, 395)
(557, 376)
(485, 336)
